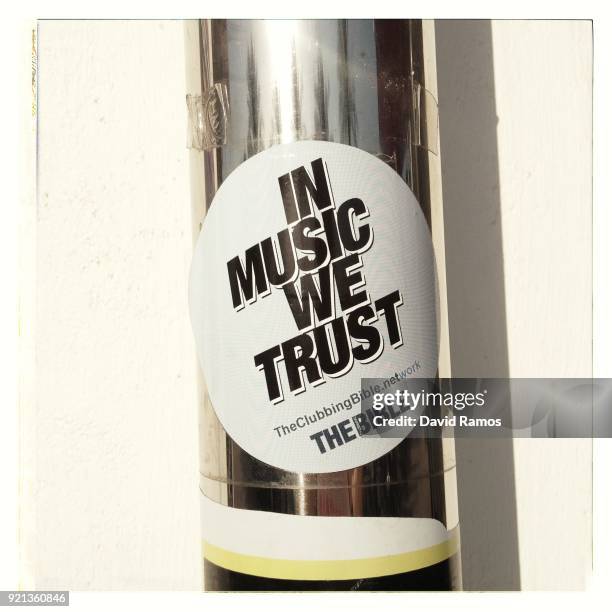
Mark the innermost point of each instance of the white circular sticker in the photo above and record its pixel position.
(314, 270)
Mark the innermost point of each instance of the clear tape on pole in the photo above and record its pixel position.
(425, 126)
(208, 116)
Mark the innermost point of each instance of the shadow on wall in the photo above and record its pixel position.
(476, 296)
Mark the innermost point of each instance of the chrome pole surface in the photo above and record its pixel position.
(354, 82)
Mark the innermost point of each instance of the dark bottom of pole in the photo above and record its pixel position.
(436, 577)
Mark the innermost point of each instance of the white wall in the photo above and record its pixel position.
(114, 424)
(515, 126)
(544, 108)
(109, 443)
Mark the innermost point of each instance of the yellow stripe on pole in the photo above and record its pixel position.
(331, 569)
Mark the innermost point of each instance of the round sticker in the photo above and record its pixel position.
(314, 270)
